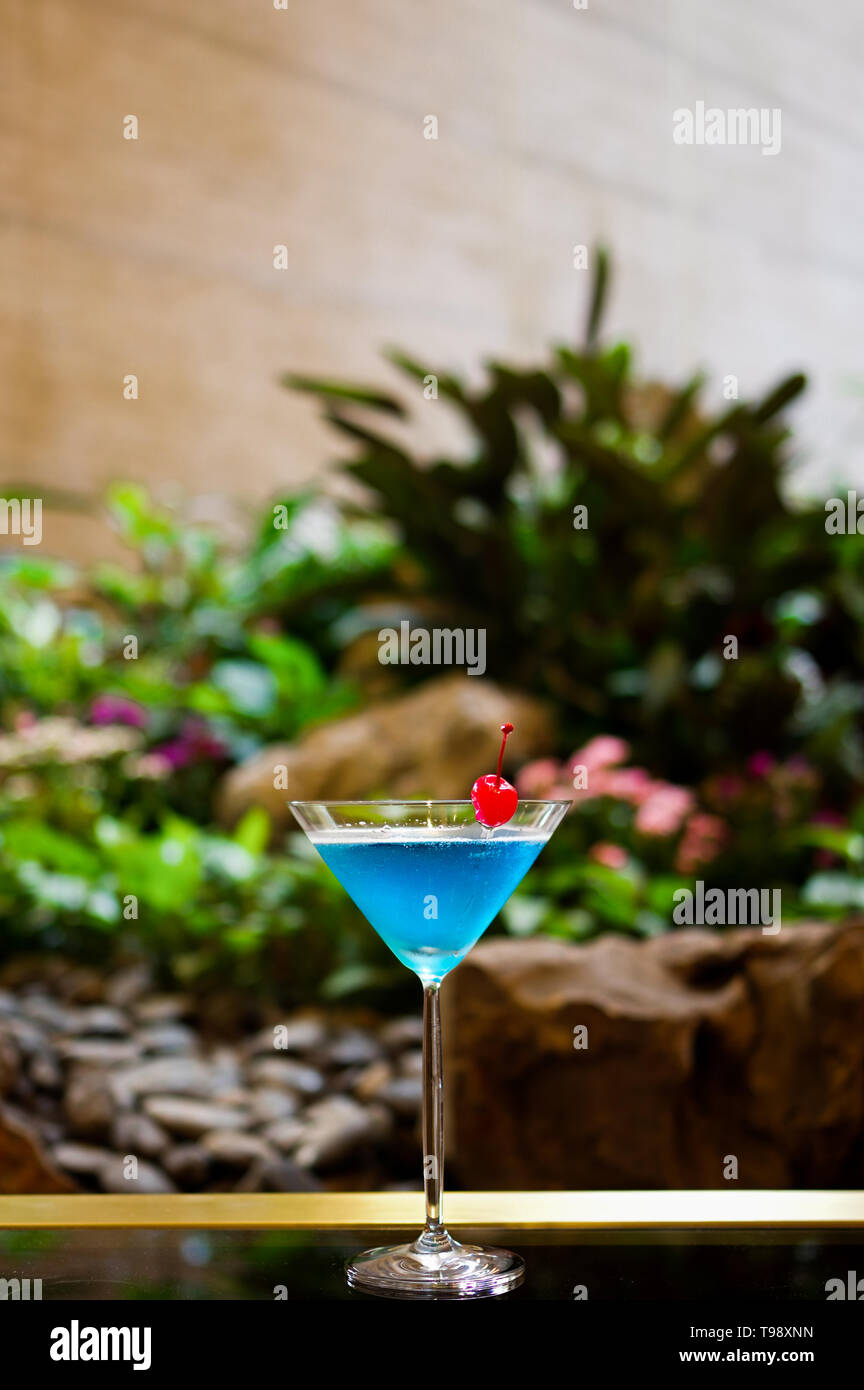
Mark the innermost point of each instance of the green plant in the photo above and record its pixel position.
(621, 613)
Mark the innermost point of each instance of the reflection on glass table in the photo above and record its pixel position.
(612, 1266)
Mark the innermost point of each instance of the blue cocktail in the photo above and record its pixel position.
(429, 877)
(430, 898)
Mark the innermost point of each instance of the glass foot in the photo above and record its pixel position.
(436, 1267)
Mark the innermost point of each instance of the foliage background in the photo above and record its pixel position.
(742, 771)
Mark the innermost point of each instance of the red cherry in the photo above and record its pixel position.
(493, 798)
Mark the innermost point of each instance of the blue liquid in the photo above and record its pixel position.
(430, 900)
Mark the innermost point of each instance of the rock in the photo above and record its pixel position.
(8, 1004)
(227, 1073)
(403, 1094)
(10, 1060)
(267, 1104)
(424, 743)
(23, 1089)
(88, 1160)
(138, 1134)
(371, 1080)
(99, 1019)
(45, 1072)
(402, 1033)
(285, 1134)
(166, 1039)
(277, 1175)
(300, 1035)
(187, 1164)
(700, 1044)
(334, 1129)
(78, 984)
(27, 1037)
(284, 1073)
(237, 1096)
(88, 1104)
(49, 1131)
(411, 1063)
(235, 1149)
(119, 1175)
(25, 1167)
(106, 1053)
(191, 1118)
(185, 1076)
(352, 1048)
(47, 1012)
(162, 1008)
(128, 985)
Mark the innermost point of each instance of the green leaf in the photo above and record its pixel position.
(28, 839)
(354, 978)
(253, 830)
(597, 301)
(340, 391)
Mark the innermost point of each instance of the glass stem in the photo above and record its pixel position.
(434, 1234)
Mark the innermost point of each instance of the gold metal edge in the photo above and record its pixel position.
(370, 1210)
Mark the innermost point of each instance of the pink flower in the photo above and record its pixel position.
(701, 841)
(535, 779)
(706, 827)
(603, 751)
(613, 856)
(663, 811)
(631, 784)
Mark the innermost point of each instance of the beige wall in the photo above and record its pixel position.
(305, 127)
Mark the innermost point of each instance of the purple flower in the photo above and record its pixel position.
(115, 709)
(194, 743)
(760, 764)
(175, 754)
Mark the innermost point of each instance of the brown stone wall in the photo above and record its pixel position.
(701, 1047)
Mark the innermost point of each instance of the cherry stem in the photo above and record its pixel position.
(505, 729)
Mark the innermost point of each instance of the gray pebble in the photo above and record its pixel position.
(45, 1072)
(166, 1039)
(277, 1175)
(119, 1175)
(235, 1150)
(107, 1052)
(166, 1075)
(88, 1104)
(285, 1134)
(101, 1020)
(352, 1048)
(138, 1134)
(192, 1118)
(401, 1033)
(404, 1095)
(128, 985)
(335, 1128)
(84, 1159)
(267, 1104)
(162, 1008)
(287, 1074)
(187, 1164)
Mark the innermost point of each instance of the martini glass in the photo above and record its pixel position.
(429, 878)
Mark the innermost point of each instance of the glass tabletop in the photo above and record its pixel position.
(609, 1266)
